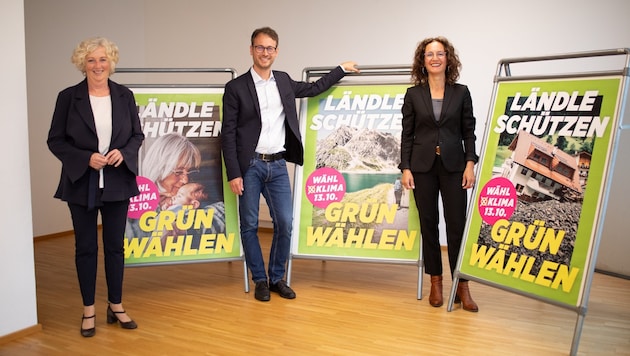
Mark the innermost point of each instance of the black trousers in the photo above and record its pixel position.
(429, 186)
(85, 223)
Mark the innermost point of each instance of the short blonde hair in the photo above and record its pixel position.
(90, 45)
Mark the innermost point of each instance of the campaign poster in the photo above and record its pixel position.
(539, 192)
(350, 202)
(182, 213)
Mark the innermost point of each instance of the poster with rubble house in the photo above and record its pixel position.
(349, 201)
(532, 222)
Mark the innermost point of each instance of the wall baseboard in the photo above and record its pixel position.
(52, 236)
(20, 334)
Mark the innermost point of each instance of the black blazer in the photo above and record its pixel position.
(72, 139)
(241, 125)
(454, 132)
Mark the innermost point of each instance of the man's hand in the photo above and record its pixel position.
(236, 185)
(350, 67)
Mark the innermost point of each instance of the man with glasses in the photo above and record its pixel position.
(260, 133)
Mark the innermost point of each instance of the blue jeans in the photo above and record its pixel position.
(272, 180)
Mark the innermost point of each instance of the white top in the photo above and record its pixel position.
(102, 109)
(272, 134)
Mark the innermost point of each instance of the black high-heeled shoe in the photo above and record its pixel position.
(87, 332)
(112, 318)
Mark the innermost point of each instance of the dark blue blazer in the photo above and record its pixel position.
(454, 132)
(241, 125)
(72, 139)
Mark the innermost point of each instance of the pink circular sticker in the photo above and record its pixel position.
(497, 200)
(147, 200)
(324, 186)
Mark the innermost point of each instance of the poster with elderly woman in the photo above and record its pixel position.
(181, 213)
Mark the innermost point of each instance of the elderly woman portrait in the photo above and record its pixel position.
(170, 162)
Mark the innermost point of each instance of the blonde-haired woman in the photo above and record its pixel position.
(96, 133)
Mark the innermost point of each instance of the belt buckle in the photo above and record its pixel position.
(266, 157)
(269, 157)
(437, 150)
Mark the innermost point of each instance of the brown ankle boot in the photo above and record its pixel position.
(435, 298)
(464, 295)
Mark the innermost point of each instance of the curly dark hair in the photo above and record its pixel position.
(453, 65)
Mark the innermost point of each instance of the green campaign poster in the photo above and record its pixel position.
(540, 185)
(185, 210)
(349, 200)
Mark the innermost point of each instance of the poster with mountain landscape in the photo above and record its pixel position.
(348, 195)
(533, 220)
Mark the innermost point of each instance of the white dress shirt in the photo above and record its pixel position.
(272, 134)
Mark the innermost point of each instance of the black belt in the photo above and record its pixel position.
(269, 157)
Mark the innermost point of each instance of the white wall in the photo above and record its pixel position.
(53, 29)
(18, 306)
(200, 33)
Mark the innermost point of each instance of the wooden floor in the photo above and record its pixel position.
(342, 308)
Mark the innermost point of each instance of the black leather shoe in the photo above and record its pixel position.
(87, 332)
(112, 318)
(262, 291)
(283, 289)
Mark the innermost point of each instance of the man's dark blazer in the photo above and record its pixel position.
(241, 125)
(454, 132)
(72, 139)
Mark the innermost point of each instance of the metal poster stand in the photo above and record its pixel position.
(618, 133)
(386, 74)
(155, 71)
(205, 71)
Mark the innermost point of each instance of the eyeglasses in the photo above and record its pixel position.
(180, 172)
(438, 54)
(261, 49)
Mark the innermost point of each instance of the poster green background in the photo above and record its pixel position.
(306, 209)
(197, 96)
(609, 88)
